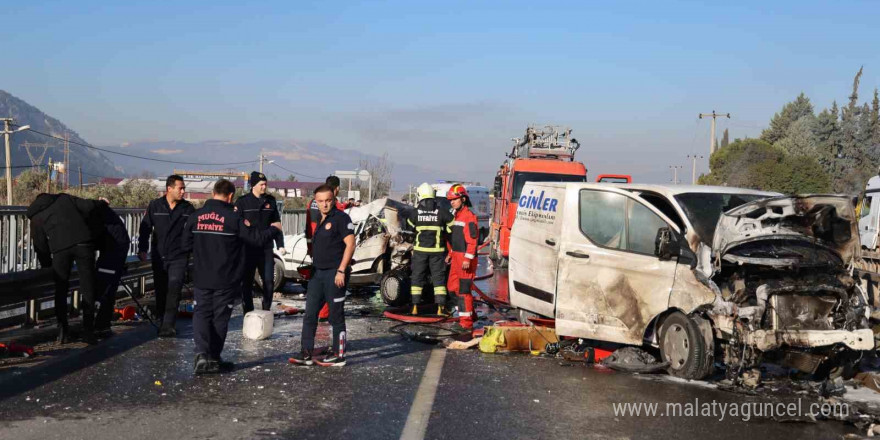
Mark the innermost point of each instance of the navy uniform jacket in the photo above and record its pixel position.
(60, 221)
(260, 212)
(166, 228)
(216, 235)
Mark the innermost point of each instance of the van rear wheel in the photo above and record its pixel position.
(683, 346)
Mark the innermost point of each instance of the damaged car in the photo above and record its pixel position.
(382, 244)
(702, 273)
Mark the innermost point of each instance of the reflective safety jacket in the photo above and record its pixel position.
(431, 223)
(464, 233)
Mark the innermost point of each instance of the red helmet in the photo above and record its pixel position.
(457, 191)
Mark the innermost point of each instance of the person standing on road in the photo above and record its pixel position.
(332, 248)
(62, 235)
(164, 221)
(313, 214)
(431, 223)
(216, 235)
(462, 258)
(261, 210)
(113, 244)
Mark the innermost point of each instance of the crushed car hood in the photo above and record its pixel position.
(798, 231)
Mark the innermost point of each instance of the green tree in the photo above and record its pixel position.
(725, 139)
(754, 163)
(800, 138)
(875, 119)
(790, 113)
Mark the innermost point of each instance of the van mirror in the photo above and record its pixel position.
(666, 245)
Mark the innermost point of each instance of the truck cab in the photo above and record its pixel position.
(691, 268)
(869, 214)
(544, 154)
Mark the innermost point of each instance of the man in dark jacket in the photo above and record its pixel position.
(216, 234)
(261, 211)
(164, 221)
(113, 243)
(431, 223)
(62, 234)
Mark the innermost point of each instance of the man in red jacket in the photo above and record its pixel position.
(462, 256)
(313, 216)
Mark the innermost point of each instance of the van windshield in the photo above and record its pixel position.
(521, 177)
(704, 209)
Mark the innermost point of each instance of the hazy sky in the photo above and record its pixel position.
(443, 83)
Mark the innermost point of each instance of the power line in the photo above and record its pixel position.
(294, 172)
(135, 156)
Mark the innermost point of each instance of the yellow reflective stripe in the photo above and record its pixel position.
(440, 290)
(427, 249)
(429, 228)
(415, 289)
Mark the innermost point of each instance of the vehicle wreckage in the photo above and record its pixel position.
(702, 273)
(383, 246)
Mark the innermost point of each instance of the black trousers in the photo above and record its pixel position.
(428, 265)
(168, 277)
(111, 267)
(265, 262)
(211, 319)
(62, 262)
(322, 289)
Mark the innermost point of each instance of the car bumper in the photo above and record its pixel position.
(766, 340)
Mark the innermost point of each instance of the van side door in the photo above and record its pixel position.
(610, 282)
(534, 248)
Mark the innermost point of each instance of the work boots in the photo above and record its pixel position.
(202, 364)
(63, 333)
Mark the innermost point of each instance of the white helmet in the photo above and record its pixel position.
(426, 191)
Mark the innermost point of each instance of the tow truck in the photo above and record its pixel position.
(544, 154)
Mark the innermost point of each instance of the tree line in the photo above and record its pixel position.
(836, 150)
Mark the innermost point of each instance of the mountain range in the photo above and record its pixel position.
(306, 160)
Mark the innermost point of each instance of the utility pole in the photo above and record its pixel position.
(80, 177)
(675, 173)
(66, 160)
(694, 158)
(6, 133)
(49, 178)
(261, 163)
(714, 116)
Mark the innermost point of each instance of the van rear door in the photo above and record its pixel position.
(534, 245)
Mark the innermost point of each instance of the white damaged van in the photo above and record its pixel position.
(697, 271)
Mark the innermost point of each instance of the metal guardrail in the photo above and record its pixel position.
(17, 251)
(27, 297)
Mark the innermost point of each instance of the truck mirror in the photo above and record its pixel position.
(666, 245)
(497, 187)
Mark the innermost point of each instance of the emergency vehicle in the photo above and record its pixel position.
(544, 154)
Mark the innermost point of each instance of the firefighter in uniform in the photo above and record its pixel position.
(430, 222)
(164, 221)
(217, 234)
(462, 258)
(113, 244)
(261, 211)
(313, 216)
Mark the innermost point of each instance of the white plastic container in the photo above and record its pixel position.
(258, 324)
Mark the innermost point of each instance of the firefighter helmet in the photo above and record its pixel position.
(426, 191)
(457, 191)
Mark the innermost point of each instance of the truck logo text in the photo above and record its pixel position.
(540, 203)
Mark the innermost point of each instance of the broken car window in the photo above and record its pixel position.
(704, 209)
(643, 226)
(603, 218)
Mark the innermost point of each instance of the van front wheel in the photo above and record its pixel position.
(683, 346)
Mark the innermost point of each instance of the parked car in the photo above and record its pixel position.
(696, 271)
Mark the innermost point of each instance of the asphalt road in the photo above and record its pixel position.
(135, 386)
